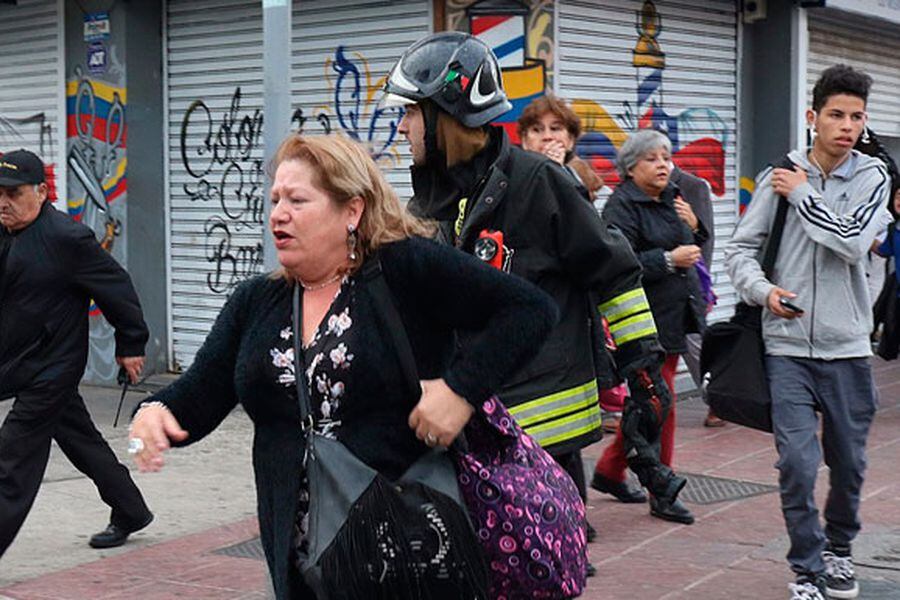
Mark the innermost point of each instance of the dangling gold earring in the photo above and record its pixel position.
(352, 238)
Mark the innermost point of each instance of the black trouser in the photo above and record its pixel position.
(573, 465)
(37, 415)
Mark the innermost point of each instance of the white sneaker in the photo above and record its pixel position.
(805, 591)
(840, 578)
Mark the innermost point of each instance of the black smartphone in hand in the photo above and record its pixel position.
(786, 303)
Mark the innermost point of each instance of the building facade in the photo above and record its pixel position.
(150, 114)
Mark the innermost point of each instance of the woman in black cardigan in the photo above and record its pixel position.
(332, 209)
(666, 236)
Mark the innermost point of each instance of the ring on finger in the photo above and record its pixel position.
(135, 445)
(430, 440)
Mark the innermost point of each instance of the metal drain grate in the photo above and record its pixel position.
(879, 589)
(705, 489)
(251, 548)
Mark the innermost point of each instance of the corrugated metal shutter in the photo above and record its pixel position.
(836, 37)
(341, 51)
(215, 98)
(696, 89)
(31, 72)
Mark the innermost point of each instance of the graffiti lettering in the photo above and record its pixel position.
(232, 262)
(298, 121)
(220, 158)
(14, 128)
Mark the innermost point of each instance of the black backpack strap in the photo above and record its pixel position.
(771, 253)
(387, 309)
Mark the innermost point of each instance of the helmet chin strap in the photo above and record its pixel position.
(434, 156)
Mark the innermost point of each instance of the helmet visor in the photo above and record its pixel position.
(390, 100)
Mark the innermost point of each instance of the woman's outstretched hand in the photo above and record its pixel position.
(155, 426)
(440, 414)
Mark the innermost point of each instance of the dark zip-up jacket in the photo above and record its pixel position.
(653, 228)
(558, 242)
(53, 268)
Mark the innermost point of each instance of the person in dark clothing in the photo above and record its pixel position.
(332, 211)
(50, 268)
(522, 212)
(550, 127)
(696, 193)
(666, 236)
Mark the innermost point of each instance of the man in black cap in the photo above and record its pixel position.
(50, 269)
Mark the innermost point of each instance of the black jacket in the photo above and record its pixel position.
(559, 243)
(53, 268)
(695, 192)
(436, 291)
(653, 228)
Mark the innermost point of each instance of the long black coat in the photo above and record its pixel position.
(53, 268)
(653, 227)
(436, 290)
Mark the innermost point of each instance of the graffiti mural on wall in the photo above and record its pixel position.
(97, 136)
(219, 154)
(96, 140)
(354, 108)
(698, 134)
(17, 132)
(521, 35)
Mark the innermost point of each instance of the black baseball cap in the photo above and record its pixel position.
(20, 167)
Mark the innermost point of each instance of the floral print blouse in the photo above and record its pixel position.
(328, 358)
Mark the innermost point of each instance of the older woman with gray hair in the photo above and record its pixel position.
(666, 235)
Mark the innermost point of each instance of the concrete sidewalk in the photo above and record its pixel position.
(202, 542)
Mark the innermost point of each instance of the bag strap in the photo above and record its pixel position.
(387, 309)
(771, 253)
(299, 364)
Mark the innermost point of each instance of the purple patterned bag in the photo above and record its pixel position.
(525, 508)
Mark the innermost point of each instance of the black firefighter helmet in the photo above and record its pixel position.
(456, 71)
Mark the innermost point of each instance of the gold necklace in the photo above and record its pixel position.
(314, 287)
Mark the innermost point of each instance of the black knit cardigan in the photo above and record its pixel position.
(437, 290)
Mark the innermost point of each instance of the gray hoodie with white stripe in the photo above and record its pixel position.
(830, 226)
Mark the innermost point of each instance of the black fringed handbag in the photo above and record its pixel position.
(369, 537)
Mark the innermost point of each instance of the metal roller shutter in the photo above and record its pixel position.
(609, 65)
(875, 48)
(341, 51)
(32, 72)
(215, 100)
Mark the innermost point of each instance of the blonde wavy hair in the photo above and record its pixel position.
(344, 170)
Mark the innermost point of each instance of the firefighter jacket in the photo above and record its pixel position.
(556, 240)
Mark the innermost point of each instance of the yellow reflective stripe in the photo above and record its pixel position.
(650, 331)
(558, 403)
(568, 428)
(633, 328)
(624, 305)
(632, 309)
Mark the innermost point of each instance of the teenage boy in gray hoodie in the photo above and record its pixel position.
(817, 323)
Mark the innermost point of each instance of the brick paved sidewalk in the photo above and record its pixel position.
(734, 550)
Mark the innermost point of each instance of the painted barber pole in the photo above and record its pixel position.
(501, 24)
(505, 34)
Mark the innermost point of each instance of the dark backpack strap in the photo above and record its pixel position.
(771, 253)
(387, 309)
